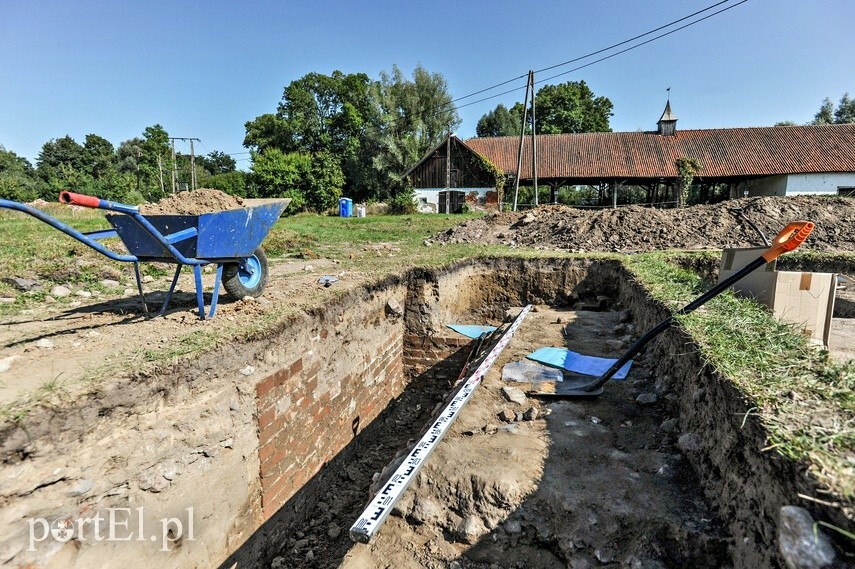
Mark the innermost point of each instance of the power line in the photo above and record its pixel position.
(598, 52)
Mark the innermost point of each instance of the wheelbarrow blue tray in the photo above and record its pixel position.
(218, 236)
(578, 363)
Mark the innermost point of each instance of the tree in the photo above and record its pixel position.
(155, 161)
(99, 157)
(571, 107)
(218, 162)
(565, 108)
(281, 175)
(500, 122)
(414, 116)
(58, 158)
(843, 114)
(18, 180)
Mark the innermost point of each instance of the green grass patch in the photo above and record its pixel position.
(805, 400)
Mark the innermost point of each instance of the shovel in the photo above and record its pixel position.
(789, 239)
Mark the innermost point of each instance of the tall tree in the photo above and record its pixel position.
(100, 156)
(828, 114)
(415, 115)
(500, 122)
(572, 107)
(564, 108)
(60, 159)
(18, 180)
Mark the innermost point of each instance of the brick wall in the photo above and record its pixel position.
(301, 428)
(423, 352)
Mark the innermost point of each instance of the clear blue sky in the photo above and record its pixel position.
(204, 68)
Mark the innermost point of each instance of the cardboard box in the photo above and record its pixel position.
(804, 299)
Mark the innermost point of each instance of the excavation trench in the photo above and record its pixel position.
(663, 470)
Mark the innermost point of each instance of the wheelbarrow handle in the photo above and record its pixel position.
(793, 235)
(71, 198)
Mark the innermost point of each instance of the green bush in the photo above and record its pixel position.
(404, 203)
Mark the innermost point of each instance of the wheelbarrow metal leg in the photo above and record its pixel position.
(200, 297)
(171, 290)
(139, 287)
(216, 294)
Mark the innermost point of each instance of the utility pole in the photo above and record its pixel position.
(174, 168)
(448, 172)
(522, 137)
(533, 140)
(192, 165)
(192, 158)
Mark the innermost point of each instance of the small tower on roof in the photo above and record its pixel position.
(667, 122)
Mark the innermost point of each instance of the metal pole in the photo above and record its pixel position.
(192, 165)
(522, 137)
(533, 141)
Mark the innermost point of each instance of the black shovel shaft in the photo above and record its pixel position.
(659, 328)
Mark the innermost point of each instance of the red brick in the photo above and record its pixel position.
(264, 386)
(296, 367)
(266, 418)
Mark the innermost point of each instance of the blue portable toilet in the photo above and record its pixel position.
(345, 207)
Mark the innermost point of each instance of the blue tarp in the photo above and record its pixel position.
(577, 363)
(470, 330)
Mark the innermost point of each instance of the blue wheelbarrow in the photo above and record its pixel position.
(229, 239)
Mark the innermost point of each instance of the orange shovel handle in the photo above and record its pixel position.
(788, 239)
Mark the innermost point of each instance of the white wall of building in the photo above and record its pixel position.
(800, 184)
(427, 199)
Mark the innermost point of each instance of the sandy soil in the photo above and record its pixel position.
(197, 202)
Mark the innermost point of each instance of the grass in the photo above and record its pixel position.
(805, 400)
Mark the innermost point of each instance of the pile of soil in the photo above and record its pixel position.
(197, 202)
(639, 229)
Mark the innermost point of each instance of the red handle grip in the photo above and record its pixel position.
(71, 198)
(789, 239)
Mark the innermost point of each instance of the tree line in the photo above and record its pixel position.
(139, 169)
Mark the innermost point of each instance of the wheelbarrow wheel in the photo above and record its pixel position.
(247, 278)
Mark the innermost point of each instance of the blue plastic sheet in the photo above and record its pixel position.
(577, 363)
(470, 330)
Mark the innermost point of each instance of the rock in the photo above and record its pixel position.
(514, 395)
(23, 284)
(49, 299)
(45, 344)
(308, 268)
(689, 442)
(646, 399)
(455, 565)
(669, 425)
(83, 294)
(596, 420)
(248, 298)
(248, 370)
(109, 283)
(427, 511)
(530, 414)
(393, 309)
(625, 316)
(6, 363)
(801, 544)
(604, 554)
(471, 528)
(507, 415)
(148, 279)
(10, 300)
(233, 405)
(60, 291)
(81, 487)
(279, 563)
(310, 556)
(518, 416)
(513, 527)
(333, 531)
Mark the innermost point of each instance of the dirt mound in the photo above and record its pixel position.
(636, 228)
(197, 202)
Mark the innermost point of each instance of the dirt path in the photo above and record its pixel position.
(598, 483)
(45, 348)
